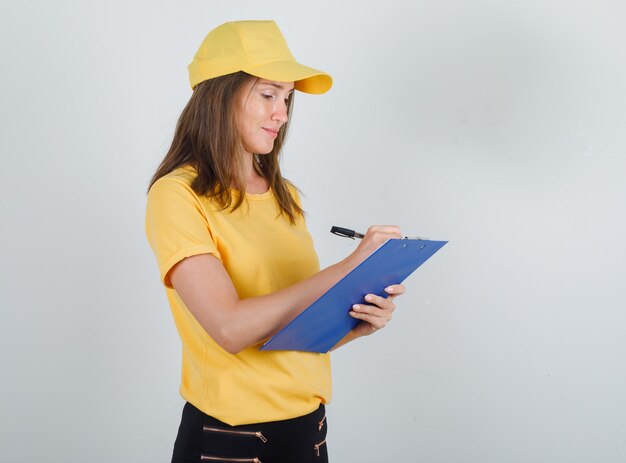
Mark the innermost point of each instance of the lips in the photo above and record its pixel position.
(272, 132)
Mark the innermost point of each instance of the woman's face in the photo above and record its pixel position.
(262, 111)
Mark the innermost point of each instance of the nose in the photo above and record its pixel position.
(280, 113)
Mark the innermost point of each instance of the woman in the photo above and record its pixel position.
(237, 260)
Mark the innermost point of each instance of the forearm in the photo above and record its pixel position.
(351, 336)
(251, 321)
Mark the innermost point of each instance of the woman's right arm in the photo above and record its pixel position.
(204, 286)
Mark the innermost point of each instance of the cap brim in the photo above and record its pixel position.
(306, 79)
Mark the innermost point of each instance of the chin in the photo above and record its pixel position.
(265, 151)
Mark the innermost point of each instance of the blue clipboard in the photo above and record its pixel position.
(325, 322)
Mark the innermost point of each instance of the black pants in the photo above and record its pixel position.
(298, 440)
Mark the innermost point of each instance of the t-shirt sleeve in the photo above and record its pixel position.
(176, 225)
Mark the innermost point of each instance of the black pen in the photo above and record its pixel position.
(346, 232)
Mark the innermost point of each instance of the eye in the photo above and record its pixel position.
(267, 96)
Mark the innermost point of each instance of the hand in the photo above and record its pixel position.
(377, 312)
(375, 237)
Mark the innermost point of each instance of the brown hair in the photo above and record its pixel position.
(206, 137)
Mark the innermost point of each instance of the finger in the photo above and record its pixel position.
(362, 313)
(395, 291)
(383, 232)
(391, 229)
(385, 303)
(372, 312)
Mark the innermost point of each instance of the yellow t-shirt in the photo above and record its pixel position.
(262, 252)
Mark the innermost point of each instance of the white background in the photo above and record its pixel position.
(496, 125)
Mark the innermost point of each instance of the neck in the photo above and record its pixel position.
(255, 183)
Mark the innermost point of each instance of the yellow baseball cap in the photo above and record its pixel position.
(255, 47)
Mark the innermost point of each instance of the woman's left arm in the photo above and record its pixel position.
(374, 315)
